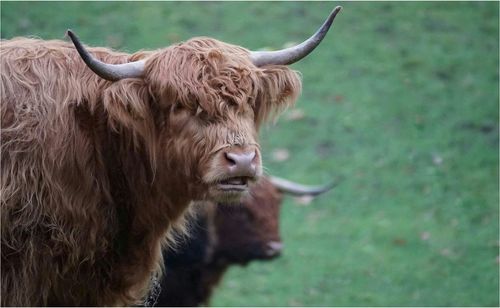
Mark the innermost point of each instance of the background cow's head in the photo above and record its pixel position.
(250, 231)
(204, 101)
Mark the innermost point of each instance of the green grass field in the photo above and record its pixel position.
(401, 100)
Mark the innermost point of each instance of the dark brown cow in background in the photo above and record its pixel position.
(222, 236)
(102, 157)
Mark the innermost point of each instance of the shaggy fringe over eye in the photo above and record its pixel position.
(220, 79)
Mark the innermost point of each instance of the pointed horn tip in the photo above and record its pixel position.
(324, 189)
(329, 186)
(72, 36)
(335, 11)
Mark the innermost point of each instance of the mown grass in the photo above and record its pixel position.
(401, 99)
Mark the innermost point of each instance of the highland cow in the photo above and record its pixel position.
(102, 157)
(223, 235)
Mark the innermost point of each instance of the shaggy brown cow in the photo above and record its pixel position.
(99, 164)
(222, 236)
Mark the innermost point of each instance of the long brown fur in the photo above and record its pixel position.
(94, 173)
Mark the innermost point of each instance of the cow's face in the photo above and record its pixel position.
(220, 157)
(250, 231)
(213, 100)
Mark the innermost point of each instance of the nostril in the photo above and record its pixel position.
(230, 159)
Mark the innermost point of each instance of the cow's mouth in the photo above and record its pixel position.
(235, 184)
(230, 189)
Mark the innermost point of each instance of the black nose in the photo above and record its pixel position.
(241, 164)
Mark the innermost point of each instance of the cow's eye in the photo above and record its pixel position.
(176, 108)
(203, 116)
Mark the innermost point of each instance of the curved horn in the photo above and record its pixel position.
(296, 53)
(112, 72)
(296, 189)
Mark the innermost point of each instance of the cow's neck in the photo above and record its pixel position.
(146, 205)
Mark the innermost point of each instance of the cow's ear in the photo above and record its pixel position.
(128, 103)
(279, 89)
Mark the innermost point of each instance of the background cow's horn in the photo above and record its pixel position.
(112, 72)
(295, 53)
(296, 189)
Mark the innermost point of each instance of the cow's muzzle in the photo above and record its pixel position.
(240, 167)
(237, 167)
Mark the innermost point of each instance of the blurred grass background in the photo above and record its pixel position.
(401, 99)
